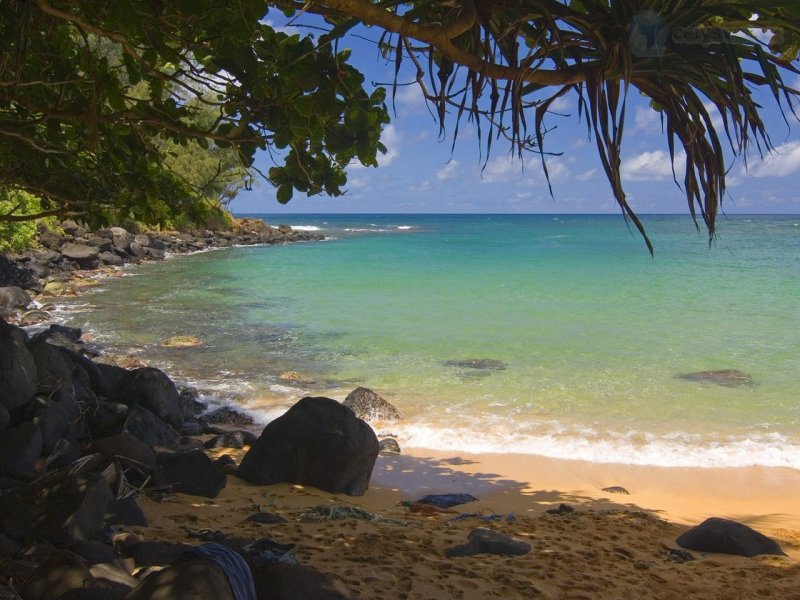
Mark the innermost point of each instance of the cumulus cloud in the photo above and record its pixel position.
(422, 186)
(449, 171)
(785, 160)
(586, 175)
(646, 119)
(650, 166)
(391, 139)
(510, 169)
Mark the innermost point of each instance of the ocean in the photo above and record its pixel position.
(553, 335)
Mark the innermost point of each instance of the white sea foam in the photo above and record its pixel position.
(406, 227)
(671, 450)
(305, 227)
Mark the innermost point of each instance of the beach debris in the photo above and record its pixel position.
(723, 377)
(487, 541)
(616, 489)
(317, 442)
(271, 551)
(563, 509)
(182, 341)
(477, 363)
(679, 556)
(208, 535)
(447, 500)
(430, 509)
(265, 518)
(388, 446)
(728, 537)
(485, 515)
(370, 406)
(337, 512)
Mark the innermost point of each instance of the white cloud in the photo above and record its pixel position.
(510, 169)
(449, 171)
(391, 139)
(356, 183)
(586, 175)
(655, 165)
(562, 104)
(423, 186)
(647, 119)
(785, 160)
(408, 96)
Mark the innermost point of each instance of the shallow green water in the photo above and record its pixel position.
(591, 331)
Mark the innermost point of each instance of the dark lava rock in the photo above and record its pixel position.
(231, 439)
(447, 500)
(317, 442)
(12, 298)
(53, 367)
(17, 368)
(369, 406)
(728, 537)
(228, 416)
(488, 541)
(130, 450)
(68, 508)
(5, 417)
(388, 446)
(156, 554)
(563, 509)
(196, 578)
(192, 407)
(192, 473)
(266, 518)
(477, 363)
(105, 418)
(125, 511)
(85, 256)
(109, 258)
(55, 422)
(62, 572)
(11, 274)
(20, 447)
(150, 429)
(150, 388)
(285, 581)
(723, 377)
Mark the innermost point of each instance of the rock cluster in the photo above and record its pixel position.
(80, 440)
(72, 248)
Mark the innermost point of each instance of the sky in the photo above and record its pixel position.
(422, 173)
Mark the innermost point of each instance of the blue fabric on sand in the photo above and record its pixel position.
(232, 564)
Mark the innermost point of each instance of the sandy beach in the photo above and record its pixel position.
(613, 545)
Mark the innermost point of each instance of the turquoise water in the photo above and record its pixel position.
(591, 331)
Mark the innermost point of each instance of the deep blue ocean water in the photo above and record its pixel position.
(587, 333)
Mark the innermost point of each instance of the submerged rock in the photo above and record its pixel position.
(369, 406)
(724, 377)
(477, 363)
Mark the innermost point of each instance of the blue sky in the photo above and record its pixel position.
(419, 174)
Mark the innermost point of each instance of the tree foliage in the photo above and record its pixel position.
(76, 128)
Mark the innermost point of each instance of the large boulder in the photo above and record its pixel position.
(192, 473)
(20, 447)
(728, 537)
(53, 367)
(196, 578)
(317, 442)
(17, 368)
(369, 406)
(86, 257)
(12, 298)
(150, 388)
(146, 426)
(128, 449)
(66, 509)
(12, 274)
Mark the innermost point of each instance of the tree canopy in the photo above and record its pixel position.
(95, 93)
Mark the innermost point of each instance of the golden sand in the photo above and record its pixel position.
(613, 545)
